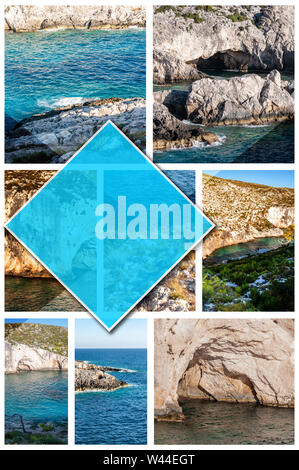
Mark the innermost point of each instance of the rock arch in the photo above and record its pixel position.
(223, 360)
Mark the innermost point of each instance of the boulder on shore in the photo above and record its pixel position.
(169, 132)
(250, 99)
(234, 361)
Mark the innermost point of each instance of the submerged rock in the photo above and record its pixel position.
(35, 17)
(92, 377)
(233, 361)
(54, 136)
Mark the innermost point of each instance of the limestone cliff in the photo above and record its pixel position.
(244, 211)
(20, 186)
(224, 37)
(32, 346)
(25, 18)
(223, 360)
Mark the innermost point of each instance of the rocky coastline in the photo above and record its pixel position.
(30, 18)
(54, 136)
(32, 347)
(89, 377)
(244, 38)
(242, 101)
(255, 43)
(257, 211)
(233, 361)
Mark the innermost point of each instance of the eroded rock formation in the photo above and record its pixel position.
(223, 360)
(241, 100)
(92, 377)
(20, 186)
(226, 37)
(33, 17)
(20, 357)
(33, 346)
(169, 132)
(244, 211)
(54, 136)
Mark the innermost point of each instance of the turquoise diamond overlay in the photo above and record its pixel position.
(109, 225)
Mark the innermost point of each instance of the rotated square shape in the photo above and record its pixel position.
(125, 225)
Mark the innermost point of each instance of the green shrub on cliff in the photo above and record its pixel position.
(264, 282)
(49, 337)
(237, 17)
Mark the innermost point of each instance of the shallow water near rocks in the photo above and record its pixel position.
(39, 396)
(38, 294)
(226, 423)
(239, 144)
(48, 69)
(114, 417)
(240, 250)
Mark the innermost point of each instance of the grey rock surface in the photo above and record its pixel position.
(37, 17)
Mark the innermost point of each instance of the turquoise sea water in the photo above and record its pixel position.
(115, 417)
(240, 250)
(39, 396)
(239, 144)
(226, 423)
(47, 69)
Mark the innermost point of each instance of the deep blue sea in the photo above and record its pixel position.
(46, 69)
(119, 416)
(39, 396)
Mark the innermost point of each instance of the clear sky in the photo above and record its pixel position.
(40, 321)
(277, 178)
(128, 334)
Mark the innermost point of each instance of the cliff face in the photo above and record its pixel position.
(223, 360)
(244, 211)
(33, 17)
(20, 186)
(205, 37)
(30, 346)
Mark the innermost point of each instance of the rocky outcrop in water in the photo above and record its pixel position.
(232, 361)
(92, 377)
(54, 136)
(240, 100)
(169, 132)
(223, 37)
(26, 18)
(244, 211)
(245, 100)
(31, 346)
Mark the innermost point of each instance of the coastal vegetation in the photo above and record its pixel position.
(35, 367)
(261, 282)
(48, 337)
